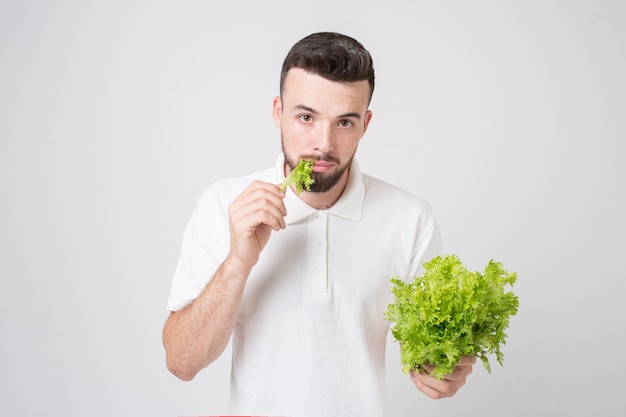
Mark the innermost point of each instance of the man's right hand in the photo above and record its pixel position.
(253, 215)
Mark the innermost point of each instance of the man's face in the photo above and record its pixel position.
(321, 120)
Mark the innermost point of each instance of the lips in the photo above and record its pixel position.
(322, 166)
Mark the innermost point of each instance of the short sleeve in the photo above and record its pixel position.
(204, 247)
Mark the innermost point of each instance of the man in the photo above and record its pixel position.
(301, 282)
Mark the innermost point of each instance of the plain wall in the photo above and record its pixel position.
(509, 117)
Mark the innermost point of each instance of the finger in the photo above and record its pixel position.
(258, 206)
(435, 388)
(257, 212)
(461, 370)
(432, 393)
(259, 190)
(464, 368)
(460, 373)
(467, 360)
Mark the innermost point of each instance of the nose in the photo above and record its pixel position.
(324, 138)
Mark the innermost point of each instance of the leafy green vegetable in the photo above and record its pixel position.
(300, 176)
(449, 312)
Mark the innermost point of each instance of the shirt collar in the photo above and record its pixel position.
(349, 205)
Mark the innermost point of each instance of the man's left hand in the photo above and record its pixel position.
(449, 385)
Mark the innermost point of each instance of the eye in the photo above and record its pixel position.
(305, 118)
(345, 123)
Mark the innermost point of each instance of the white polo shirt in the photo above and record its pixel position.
(310, 336)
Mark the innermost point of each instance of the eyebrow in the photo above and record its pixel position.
(354, 115)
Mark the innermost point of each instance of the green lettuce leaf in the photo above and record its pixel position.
(300, 176)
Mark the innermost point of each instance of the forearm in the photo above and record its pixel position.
(198, 334)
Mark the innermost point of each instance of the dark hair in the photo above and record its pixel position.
(333, 56)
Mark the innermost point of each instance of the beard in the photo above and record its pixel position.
(324, 181)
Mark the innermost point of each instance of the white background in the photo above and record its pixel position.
(509, 117)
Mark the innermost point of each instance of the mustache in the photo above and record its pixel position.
(323, 158)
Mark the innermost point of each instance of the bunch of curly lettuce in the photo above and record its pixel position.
(449, 312)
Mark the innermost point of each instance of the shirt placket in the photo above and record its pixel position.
(319, 244)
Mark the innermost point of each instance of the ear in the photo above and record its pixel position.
(366, 122)
(277, 111)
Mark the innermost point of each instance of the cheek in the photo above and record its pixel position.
(292, 140)
(295, 135)
(347, 143)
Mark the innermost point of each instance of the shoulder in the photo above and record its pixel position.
(393, 196)
(223, 192)
(385, 201)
